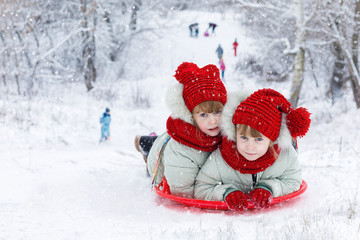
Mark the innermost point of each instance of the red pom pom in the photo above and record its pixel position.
(298, 122)
(182, 68)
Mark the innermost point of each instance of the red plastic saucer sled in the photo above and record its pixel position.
(163, 190)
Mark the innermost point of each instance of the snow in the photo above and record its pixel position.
(58, 182)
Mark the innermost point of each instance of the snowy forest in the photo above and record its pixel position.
(67, 41)
(63, 62)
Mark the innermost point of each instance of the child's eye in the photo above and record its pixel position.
(243, 137)
(203, 114)
(259, 139)
(218, 112)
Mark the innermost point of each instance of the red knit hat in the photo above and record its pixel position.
(200, 84)
(263, 110)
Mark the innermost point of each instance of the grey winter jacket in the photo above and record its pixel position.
(217, 179)
(180, 165)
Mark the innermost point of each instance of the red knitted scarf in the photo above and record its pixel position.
(187, 134)
(240, 163)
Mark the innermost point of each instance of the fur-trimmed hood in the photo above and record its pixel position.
(228, 129)
(176, 103)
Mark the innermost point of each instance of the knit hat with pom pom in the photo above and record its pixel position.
(263, 111)
(200, 84)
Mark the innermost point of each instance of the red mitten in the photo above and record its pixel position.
(237, 201)
(261, 198)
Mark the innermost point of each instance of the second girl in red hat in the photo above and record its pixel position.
(256, 160)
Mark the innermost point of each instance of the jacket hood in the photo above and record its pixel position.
(176, 103)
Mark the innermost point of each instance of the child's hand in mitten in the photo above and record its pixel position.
(237, 201)
(261, 198)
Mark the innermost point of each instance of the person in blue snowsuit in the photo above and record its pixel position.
(105, 125)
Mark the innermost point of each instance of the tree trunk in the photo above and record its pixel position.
(355, 48)
(30, 84)
(16, 70)
(338, 79)
(114, 41)
(3, 75)
(298, 77)
(88, 52)
(25, 51)
(17, 73)
(134, 11)
(299, 64)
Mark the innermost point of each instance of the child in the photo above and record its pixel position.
(220, 52)
(235, 45)
(105, 125)
(222, 68)
(192, 129)
(256, 160)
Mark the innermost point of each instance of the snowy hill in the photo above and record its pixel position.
(58, 182)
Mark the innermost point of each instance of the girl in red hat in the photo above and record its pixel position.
(256, 160)
(192, 131)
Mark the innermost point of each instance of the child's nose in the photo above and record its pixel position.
(250, 145)
(212, 118)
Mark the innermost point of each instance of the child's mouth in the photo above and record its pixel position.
(251, 154)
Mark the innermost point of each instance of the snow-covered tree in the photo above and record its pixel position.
(65, 41)
(307, 32)
(340, 25)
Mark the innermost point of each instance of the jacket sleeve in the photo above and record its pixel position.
(106, 120)
(181, 166)
(209, 183)
(284, 176)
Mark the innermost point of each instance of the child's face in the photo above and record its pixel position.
(252, 148)
(208, 123)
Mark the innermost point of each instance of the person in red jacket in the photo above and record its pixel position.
(235, 44)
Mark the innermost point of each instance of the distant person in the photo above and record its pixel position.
(194, 29)
(222, 68)
(206, 33)
(220, 52)
(212, 26)
(191, 30)
(105, 125)
(235, 45)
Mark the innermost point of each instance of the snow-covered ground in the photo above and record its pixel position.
(58, 182)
